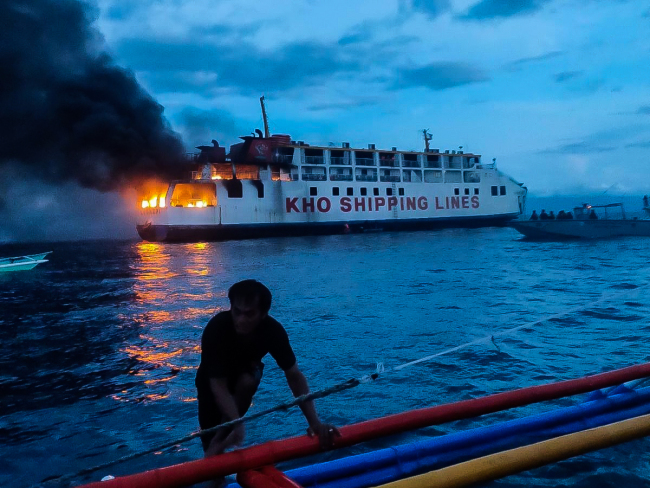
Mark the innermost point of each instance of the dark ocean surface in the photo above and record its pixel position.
(100, 345)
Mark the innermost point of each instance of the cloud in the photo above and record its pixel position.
(243, 67)
(644, 144)
(493, 9)
(565, 76)
(344, 105)
(602, 141)
(440, 76)
(356, 38)
(122, 11)
(518, 63)
(582, 147)
(431, 8)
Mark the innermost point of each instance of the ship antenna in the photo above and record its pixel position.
(427, 138)
(266, 122)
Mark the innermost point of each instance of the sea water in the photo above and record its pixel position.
(99, 346)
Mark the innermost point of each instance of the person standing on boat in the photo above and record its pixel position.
(232, 347)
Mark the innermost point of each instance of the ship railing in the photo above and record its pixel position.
(341, 161)
(314, 160)
(366, 178)
(433, 165)
(312, 177)
(391, 163)
(389, 178)
(340, 177)
(486, 166)
(365, 162)
(410, 164)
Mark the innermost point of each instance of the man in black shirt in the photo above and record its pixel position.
(232, 347)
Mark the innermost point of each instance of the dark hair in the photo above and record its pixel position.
(249, 290)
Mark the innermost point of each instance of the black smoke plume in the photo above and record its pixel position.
(67, 111)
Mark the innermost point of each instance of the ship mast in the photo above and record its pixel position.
(427, 138)
(266, 122)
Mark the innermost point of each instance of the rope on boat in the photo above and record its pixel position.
(351, 383)
(346, 385)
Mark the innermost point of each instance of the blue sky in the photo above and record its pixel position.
(557, 90)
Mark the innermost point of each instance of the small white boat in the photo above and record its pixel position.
(590, 222)
(22, 263)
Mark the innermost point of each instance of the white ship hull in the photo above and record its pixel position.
(276, 208)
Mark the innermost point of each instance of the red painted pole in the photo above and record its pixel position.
(276, 451)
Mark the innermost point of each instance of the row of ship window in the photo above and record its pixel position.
(236, 191)
(406, 176)
(313, 191)
(191, 194)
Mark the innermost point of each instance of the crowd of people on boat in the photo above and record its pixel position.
(561, 215)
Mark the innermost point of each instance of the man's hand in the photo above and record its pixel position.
(326, 434)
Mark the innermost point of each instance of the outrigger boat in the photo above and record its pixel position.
(617, 410)
(590, 222)
(22, 263)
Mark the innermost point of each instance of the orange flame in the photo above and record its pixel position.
(152, 194)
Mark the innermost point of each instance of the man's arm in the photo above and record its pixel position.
(298, 384)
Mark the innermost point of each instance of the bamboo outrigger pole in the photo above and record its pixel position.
(513, 461)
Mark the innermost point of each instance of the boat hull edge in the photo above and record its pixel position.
(586, 229)
(197, 233)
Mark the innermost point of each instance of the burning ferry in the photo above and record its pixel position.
(271, 185)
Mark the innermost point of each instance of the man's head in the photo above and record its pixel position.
(250, 302)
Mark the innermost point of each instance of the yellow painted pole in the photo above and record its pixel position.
(514, 461)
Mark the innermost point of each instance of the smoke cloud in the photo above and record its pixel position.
(67, 112)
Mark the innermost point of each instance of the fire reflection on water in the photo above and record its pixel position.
(174, 299)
